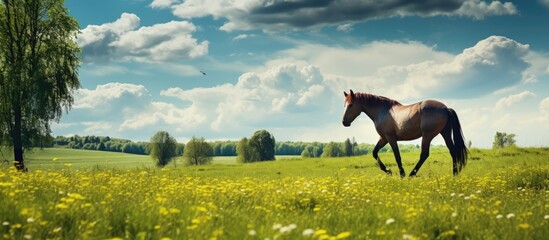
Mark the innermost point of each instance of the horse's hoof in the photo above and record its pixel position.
(389, 172)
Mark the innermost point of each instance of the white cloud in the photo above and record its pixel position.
(347, 27)
(544, 106)
(102, 95)
(123, 40)
(479, 9)
(492, 64)
(511, 100)
(162, 3)
(273, 97)
(163, 114)
(277, 15)
(242, 36)
(93, 34)
(409, 70)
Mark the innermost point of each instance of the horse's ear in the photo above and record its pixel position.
(345, 93)
(352, 94)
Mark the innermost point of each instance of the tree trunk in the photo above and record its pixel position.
(17, 142)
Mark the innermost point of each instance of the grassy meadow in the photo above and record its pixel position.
(78, 194)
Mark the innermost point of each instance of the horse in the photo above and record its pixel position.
(396, 122)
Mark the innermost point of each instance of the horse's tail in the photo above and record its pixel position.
(460, 150)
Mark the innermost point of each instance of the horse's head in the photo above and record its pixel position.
(352, 109)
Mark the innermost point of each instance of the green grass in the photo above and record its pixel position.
(501, 194)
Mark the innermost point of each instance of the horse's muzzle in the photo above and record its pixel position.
(346, 123)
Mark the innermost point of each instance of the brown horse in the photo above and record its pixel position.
(395, 122)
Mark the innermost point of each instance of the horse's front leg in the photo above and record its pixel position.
(394, 146)
(381, 143)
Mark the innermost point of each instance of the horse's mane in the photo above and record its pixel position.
(376, 100)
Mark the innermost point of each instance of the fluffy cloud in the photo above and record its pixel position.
(279, 96)
(544, 106)
(123, 40)
(275, 15)
(479, 9)
(411, 70)
(513, 99)
(162, 3)
(103, 95)
(492, 64)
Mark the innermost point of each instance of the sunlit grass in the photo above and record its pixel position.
(500, 195)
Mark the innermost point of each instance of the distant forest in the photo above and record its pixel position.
(221, 148)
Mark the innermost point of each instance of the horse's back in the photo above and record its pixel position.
(434, 116)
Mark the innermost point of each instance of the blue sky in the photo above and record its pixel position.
(282, 65)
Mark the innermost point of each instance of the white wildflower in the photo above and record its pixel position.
(308, 232)
(277, 226)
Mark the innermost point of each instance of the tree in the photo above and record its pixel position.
(502, 140)
(347, 148)
(198, 152)
(332, 149)
(39, 62)
(162, 148)
(264, 143)
(305, 154)
(180, 148)
(101, 146)
(245, 153)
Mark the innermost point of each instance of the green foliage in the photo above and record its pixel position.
(260, 147)
(264, 143)
(179, 149)
(502, 140)
(39, 62)
(103, 144)
(246, 154)
(347, 148)
(332, 149)
(198, 152)
(225, 148)
(305, 154)
(162, 148)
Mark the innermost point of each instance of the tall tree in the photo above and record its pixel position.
(264, 143)
(347, 148)
(162, 148)
(39, 62)
(198, 152)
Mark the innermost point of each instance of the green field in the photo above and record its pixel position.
(77, 194)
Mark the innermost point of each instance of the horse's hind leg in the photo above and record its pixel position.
(381, 143)
(425, 144)
(447, 135)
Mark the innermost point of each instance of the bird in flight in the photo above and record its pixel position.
(203, 73)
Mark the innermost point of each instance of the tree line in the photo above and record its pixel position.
(221, 148)
(101, 143)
